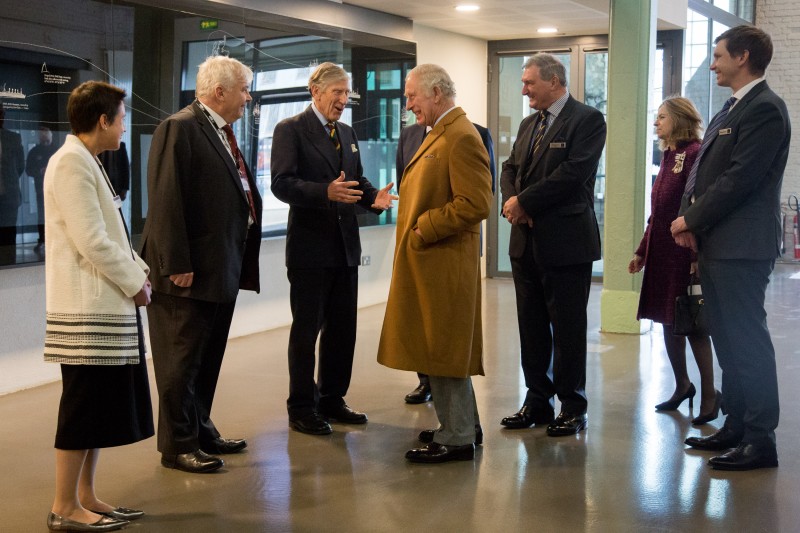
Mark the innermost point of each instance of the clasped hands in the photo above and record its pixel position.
(515, 214)
(682, 234)
(340, 190)
(142, 298)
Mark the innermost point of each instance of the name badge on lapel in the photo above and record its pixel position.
(558, 145)
(724, 131)
(354, 148)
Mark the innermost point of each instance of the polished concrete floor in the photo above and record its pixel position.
(629, 472)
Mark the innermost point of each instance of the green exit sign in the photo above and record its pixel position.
(206, 25)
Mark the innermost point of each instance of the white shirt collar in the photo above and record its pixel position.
(443, 115)
(218, 120)
(741, 93)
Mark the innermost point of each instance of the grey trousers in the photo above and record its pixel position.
(456, 408)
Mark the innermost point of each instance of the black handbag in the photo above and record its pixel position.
(689, 317)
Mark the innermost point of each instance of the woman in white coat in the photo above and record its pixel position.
(95, 282)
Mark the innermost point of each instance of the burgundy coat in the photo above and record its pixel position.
(666, 265)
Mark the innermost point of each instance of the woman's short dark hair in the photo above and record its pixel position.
(91, 100)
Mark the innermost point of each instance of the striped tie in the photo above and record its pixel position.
(537, 140)
(334, 137)
(711, 134)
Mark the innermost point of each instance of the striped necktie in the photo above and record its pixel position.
(237, 155)
(334, 137)
(710, 135)
(540, 129)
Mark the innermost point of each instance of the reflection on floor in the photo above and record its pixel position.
(628, 472)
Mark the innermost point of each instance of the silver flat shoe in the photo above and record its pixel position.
(121, 513)
(106, 523)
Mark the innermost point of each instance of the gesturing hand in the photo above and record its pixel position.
(384, 198)
(342, 191)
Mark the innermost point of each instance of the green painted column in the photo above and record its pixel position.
(632, 35)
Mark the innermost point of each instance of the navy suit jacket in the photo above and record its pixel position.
(198, 212)
(736, 213)
(556, 188)
(320, 233)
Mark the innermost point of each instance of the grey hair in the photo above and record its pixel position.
(325, 74)
(549, 66)
(430, 76)
(221, 71)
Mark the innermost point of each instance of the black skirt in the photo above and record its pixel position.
(104, 405)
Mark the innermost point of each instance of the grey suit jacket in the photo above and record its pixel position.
(556, 188)
(736, 212)
(198, 212)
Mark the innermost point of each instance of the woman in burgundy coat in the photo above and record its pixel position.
(667, 266)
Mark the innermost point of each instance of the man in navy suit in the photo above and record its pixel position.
(316, 169)
(201, 239)
(731, 217)
(548, 196)
(411, 138)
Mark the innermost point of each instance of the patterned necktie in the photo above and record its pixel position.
(237, 155)
(710, 135)
(540, 129)
(334, 137)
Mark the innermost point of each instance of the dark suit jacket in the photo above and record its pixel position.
(411, 139)
(557, 188)
(11, 167)
(198, 212)
(320, 233)
(736, 213)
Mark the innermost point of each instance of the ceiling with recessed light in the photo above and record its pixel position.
(502, 19)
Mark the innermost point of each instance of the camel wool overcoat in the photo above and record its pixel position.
(433, 314)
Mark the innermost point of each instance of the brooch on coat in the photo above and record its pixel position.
(679, 158)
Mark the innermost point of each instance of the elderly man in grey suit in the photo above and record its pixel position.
(201, 240)
(548, 197)
(731, 216)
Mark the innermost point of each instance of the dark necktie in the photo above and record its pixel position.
(710, 135)
(237, 155)
(334, 137)
(540, 129)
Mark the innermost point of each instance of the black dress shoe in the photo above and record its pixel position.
(220, 446)
(723, 439)
(343, 414)
(421, 394)
(441, 453)
(426, 435)
(525, 418)
(674, 403)
(122, 513)
(59, 523)
(746, 457)
(196, 462)
(313, 424)
(567, 424)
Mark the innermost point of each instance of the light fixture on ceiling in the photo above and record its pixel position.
(547, 29)
(467, 8)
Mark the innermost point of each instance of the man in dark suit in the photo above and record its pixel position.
(35, 165)
(12, 163)
(731, 217)
(201, 239)
(411, 138)
(548, 196)
(316, 169)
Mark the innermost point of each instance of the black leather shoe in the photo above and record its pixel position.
(59, 523)
(221, 446)
(567, 424)
(312, 424)
(426, 435)
(525, 418)
(673, 403)
(441, 453)
(343, 414)
(723, 439)
(122, 513)
(746, 457)
(196, 462)
(421, 394)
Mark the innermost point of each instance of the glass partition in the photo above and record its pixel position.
(49, 48)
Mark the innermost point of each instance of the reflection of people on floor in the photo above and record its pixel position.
(35, 166)
(118, 168)
(12, 163)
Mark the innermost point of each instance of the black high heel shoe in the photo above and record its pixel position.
(671, 405)
(701, 419)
